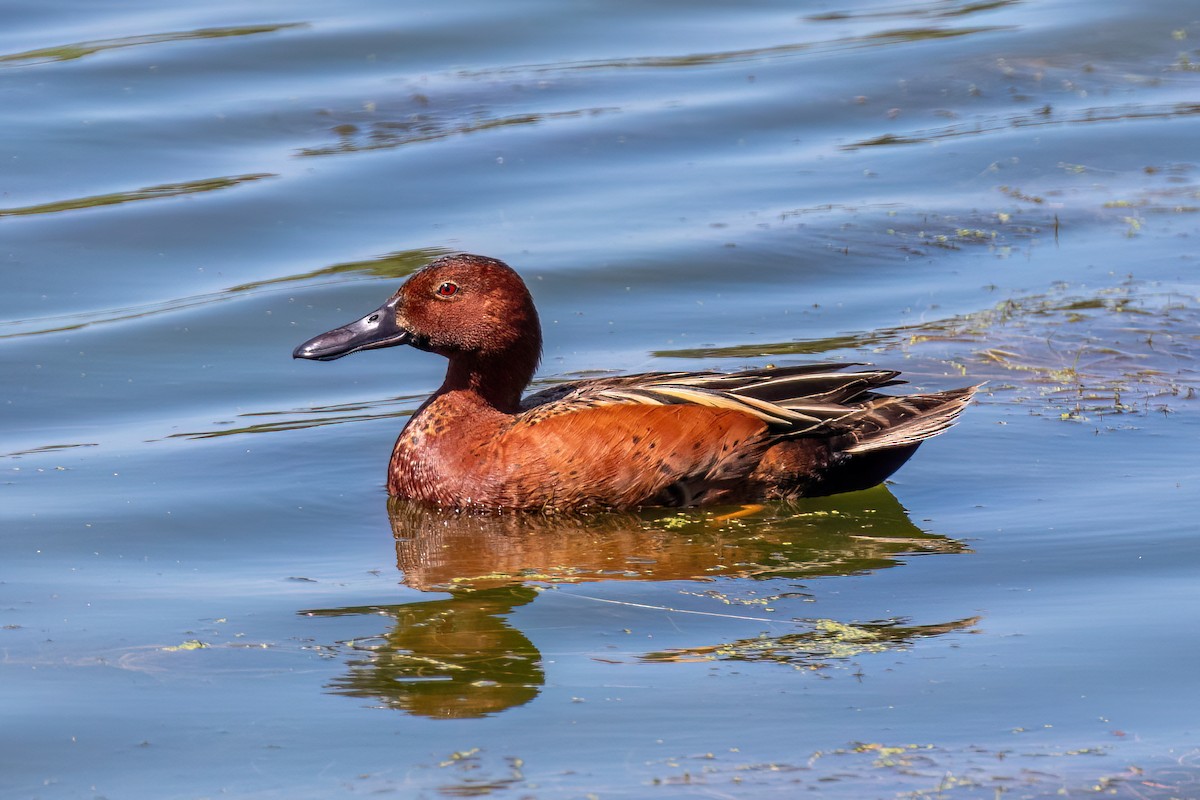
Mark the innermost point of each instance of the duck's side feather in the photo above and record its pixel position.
(807, 400)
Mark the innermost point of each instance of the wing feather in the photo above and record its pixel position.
(805, 400)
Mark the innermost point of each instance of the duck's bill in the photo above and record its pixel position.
(375, 330)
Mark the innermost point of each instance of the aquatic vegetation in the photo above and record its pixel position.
(825, 642)
(397, 264)
(1067, 353)
(379, 132)
(144, 193)
(920, 770)
(70, 52)
(1036, 118)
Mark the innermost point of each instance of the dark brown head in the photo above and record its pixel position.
(472, 309)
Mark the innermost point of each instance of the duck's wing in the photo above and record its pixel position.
(568, 390)
(813, 382)
(793, 401)
(885, 421)
(807, 400)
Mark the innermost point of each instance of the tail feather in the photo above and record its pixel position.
(887, 422)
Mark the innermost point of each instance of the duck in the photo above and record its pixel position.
(677, 439)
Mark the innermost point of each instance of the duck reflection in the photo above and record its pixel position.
(461, 657)
(450, 658)
(827, 536)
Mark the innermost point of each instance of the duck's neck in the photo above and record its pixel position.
(498, 379)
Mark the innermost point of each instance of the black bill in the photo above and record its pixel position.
(377, 329)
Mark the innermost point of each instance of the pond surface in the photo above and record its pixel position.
(205, 592)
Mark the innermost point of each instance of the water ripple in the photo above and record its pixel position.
(392, 265)
(75, 50)
(1040, 117)
(134, 195)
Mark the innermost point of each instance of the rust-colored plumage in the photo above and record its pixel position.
(665, 438)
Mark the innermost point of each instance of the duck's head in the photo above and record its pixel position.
(460, 306)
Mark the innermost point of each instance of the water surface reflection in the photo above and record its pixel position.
(450, 658)
(463, 657)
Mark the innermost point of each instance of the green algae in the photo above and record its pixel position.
(77, 50)
(922, 770)
(825, 642)
(134, 195)
(1079, 351)
(422, 127)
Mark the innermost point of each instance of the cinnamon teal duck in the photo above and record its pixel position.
(658, 438)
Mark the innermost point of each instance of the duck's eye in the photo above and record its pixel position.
(447, 289)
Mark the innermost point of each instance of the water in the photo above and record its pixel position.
(203, 589)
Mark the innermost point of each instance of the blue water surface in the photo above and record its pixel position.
(204, 591)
